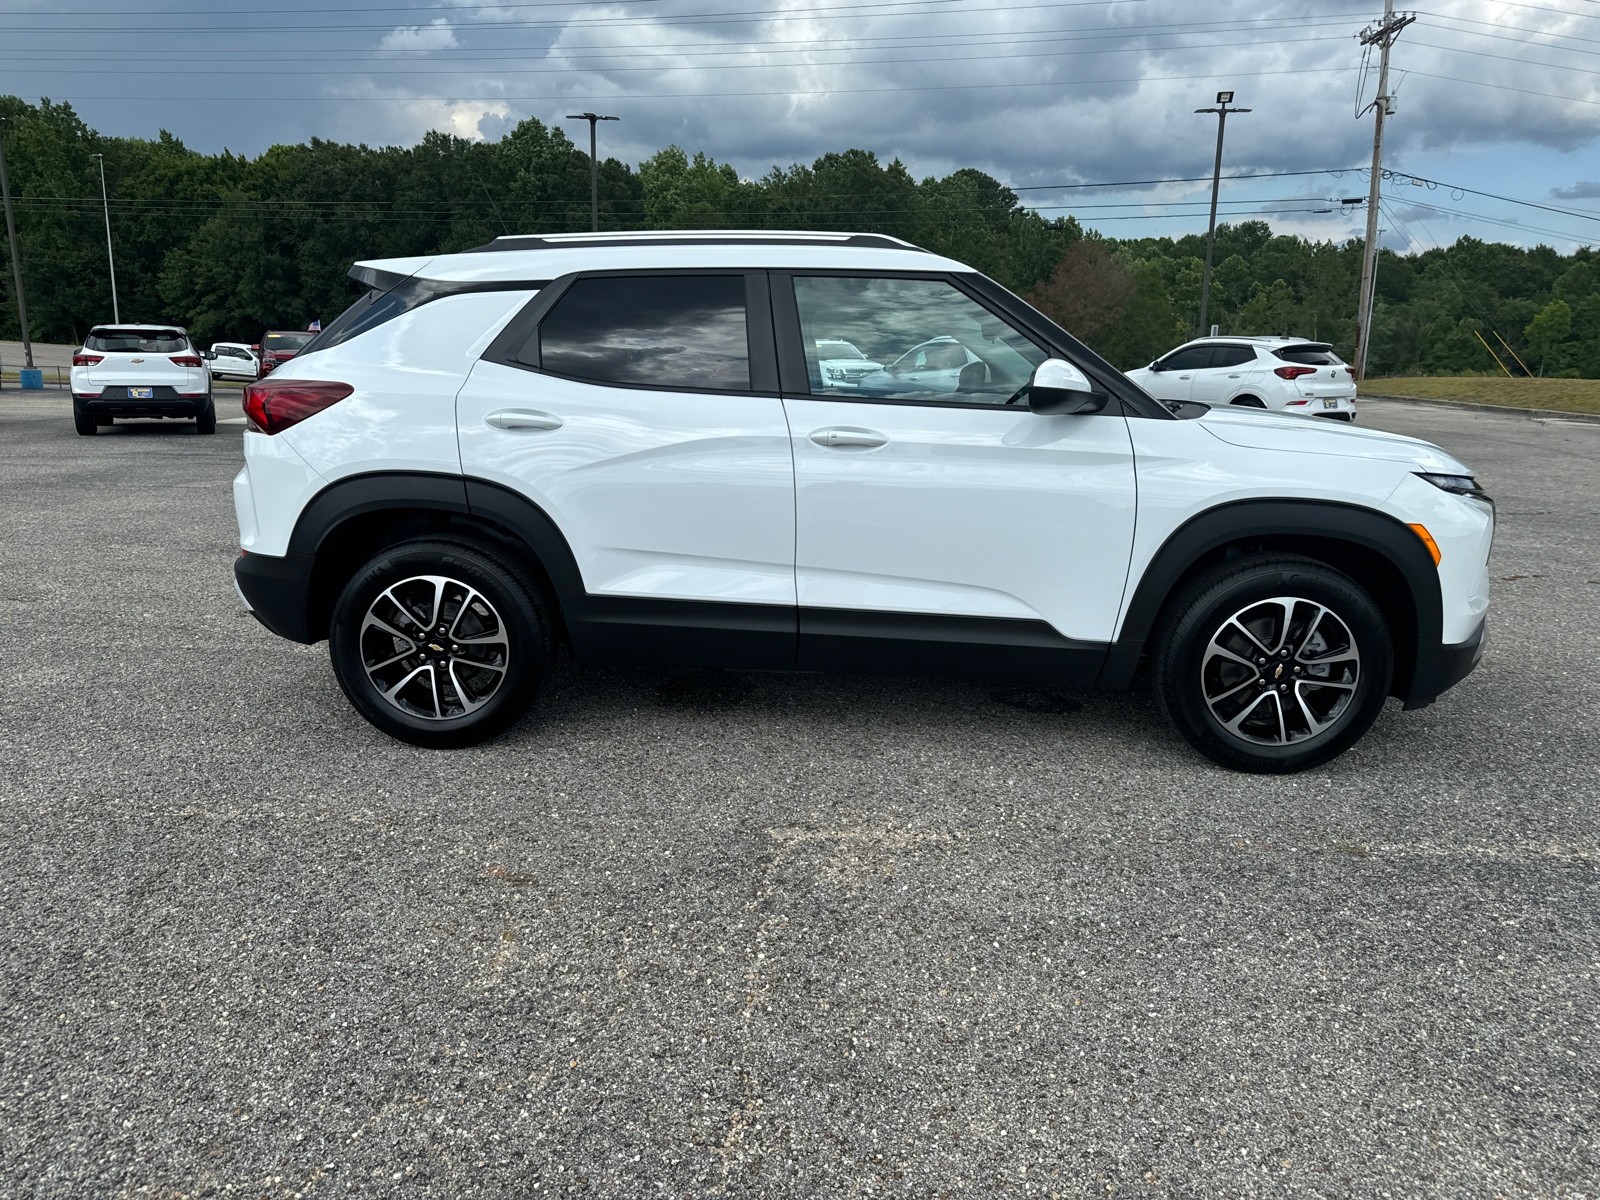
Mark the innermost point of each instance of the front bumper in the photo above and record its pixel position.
(277, 592)
(1445, 666)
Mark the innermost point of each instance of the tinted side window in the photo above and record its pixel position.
(919, 339)
(677, 331)
(1188, 359)
(1232, 356)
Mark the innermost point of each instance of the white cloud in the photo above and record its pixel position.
(436, 35)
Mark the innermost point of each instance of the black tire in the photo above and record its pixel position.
(1248, 402)
(1234, 610)
(83, 422)
(508, 607)
(206, 422)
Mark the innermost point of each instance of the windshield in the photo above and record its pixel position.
(839, 350)
(136, 341)
(280, 342)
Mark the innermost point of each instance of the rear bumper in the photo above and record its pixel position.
(164, 402)
(1443, 668)
(276, 591)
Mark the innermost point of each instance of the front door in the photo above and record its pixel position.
(1172, 378)
(941, 525)
(633, 418)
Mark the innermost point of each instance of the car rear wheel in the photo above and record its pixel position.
(83, 422)
(440, 643)
(1249, 402)
(1272, 663)
(206, 422)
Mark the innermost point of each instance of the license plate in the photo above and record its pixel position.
(1330, 404)
(140, 393)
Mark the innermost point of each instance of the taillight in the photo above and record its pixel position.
(187, 360)
(87, 360)
(1294, 372)
(273, 407)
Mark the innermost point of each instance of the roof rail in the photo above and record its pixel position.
(714, 237)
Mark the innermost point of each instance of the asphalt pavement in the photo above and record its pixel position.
(714, 934)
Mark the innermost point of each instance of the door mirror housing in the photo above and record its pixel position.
(208, 355)
(1059, 389)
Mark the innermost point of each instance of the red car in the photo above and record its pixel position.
(278, 346)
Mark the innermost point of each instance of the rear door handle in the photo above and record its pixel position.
(522, 418)
(1235, 376)
(848, 437)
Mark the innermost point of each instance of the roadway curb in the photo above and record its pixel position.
(1532, 414)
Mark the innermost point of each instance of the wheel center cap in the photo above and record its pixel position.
(440, 650)
(1277, 672)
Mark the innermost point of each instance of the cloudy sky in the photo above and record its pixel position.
(1493, 96)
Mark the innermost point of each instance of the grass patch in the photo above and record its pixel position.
(1563, 395)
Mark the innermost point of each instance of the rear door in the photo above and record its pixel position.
(951, 528)
(640, 412)
(1227, 370)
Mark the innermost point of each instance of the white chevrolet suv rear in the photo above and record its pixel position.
(630, 445)
(140, 371)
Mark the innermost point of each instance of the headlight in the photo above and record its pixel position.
(835, 373)
(1459, 485)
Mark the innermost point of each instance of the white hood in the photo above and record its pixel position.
(1261, 430)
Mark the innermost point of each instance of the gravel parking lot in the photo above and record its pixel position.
(769, 935)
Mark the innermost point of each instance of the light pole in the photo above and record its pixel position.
(16, 258)
(1222, 110)
(594, 165)
(116, 314)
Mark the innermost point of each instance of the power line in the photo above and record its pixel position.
(682, 96)
(840, 12)
(411, 72)
(462, 53)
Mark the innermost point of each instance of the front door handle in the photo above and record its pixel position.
(842, 436)
(1183, 376)
(522, 418)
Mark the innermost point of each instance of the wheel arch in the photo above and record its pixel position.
(349, 521)
(1380, 553)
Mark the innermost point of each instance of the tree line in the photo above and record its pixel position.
(229, 246)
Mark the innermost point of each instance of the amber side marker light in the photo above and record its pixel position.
(1427, 540)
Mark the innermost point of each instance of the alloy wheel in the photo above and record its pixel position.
(434, 647)
(1281, 671)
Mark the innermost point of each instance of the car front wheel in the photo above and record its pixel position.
(1272, 664)
(439, 643)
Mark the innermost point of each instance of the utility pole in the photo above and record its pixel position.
(116, 314)
(1383, 36)
(594, 165)
(1222, 110)
(16, 258)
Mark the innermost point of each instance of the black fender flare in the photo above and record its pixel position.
(1282, 522)
(284, 591)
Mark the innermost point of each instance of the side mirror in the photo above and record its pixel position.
(208, 355)
(1157, 366)
(1059, 389)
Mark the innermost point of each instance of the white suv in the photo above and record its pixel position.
(1284, 374)
(627, 444)
(140, 371)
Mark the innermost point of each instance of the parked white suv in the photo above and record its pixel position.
(140, 371)
(624, 443)
(233, 360)
(1289, 375)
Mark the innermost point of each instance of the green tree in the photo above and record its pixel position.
(1546, 333)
